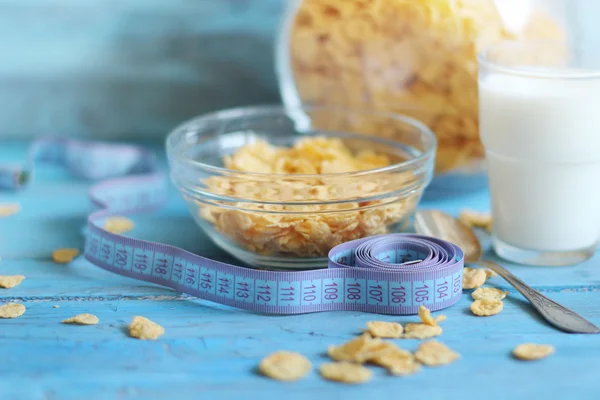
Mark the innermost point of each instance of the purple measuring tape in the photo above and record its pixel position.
(387, 274)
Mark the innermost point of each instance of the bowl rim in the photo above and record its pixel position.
(430, 140)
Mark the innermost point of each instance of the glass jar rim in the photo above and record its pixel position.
(175, 150)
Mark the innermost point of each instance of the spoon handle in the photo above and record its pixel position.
(559, 316)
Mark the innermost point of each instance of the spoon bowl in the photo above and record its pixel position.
(440, 225)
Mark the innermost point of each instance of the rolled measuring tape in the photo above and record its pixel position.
(386, 274)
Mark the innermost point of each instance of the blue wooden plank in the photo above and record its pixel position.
(131, 68)
(213, 351)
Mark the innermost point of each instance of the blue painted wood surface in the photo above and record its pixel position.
(211, 351)
(117, 69)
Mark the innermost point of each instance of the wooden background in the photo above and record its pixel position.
(125, 69)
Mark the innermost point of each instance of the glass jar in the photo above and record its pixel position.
(413, 56)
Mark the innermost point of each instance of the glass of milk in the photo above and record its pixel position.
(539, 116)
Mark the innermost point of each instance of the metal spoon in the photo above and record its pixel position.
(443, 226)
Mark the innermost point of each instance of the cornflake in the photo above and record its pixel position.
(346, 372)
(425, 316)
(313, 228)
(358, 350)
(396, 360)
(434, 353)
(143, 328)
(384, 329)
(440, 318)
(64, 256)
(82, 319)
(285, 366)
(403, 366)
(6, 210)
(490, 274)
(532, 351)
(385, 54)
(486, 307)
(489, 294)
(473, 277)
(10, 281)
(421, 331)
(118, 224)
(476, 219)
(12, 310)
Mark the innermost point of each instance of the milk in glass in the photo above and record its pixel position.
(541, 132)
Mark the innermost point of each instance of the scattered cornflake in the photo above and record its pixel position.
(490, 274)
(56, 306)
(10, 281)
(433, 353)
(425, 316)
(82, 319)
(346, 372)
(64, 256)
(8, 209)
(12, 310)
(488, 293)
(285, 366)
(532, 351)
(440, 318)
(404, 366)
(358, 350)
(384, 329)
(473, 277)
(143, 328)
(396, 360)
(475, 219)
(486, 307)
(118, 224)
(421, 331)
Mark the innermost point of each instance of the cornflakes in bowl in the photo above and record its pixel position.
(275, 192)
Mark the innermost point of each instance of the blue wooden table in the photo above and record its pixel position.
(211, 351)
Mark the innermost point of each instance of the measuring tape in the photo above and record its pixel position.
(387, 274)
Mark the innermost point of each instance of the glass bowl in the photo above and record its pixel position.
(292, 220)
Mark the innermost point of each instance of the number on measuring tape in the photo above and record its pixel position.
(355, 291)
(311, 292)
(377, 293)
(208, 278)
(161, 267)
(333, 290)
(457, 278)
(401, 294)
(123, 257)
(442, 289)
(191, 275)
(178, 270)
(224, 285)
(244, 289)
(265, 292)
(142, 261)
(288, 293)
(423, 292)
(107, 251)
(93, 244)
